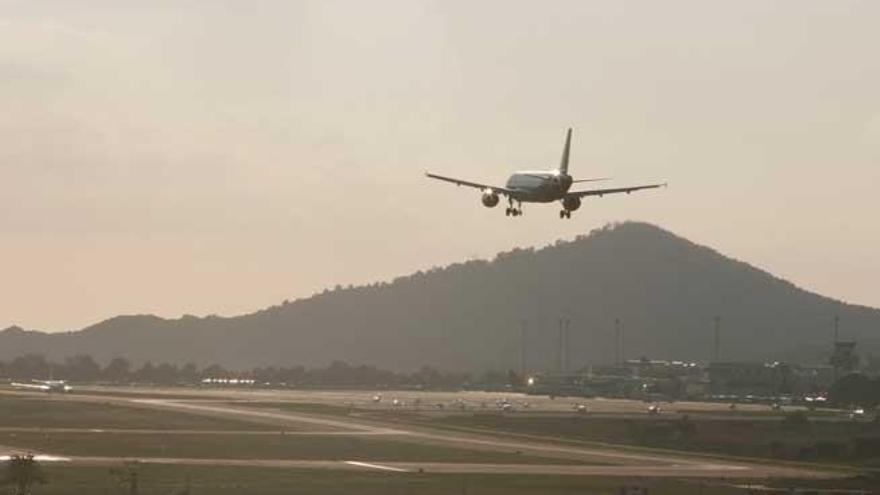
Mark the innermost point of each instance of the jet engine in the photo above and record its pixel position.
(562, 182)
(490, 199)
(571, 203)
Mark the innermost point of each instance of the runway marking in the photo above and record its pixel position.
(141, 431)
(708, 466)
(375, 466)
(43, 458)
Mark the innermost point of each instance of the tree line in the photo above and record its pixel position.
(83, 368)
(851, 389)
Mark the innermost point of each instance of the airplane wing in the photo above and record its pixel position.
(602, 192)
(477, 185)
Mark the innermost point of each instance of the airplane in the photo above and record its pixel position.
(49, 386)
(541, 187)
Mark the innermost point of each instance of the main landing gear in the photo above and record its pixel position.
(512, 211)
(565, 214)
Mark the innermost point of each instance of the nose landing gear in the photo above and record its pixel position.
(565, 214)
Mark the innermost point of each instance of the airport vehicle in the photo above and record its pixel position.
(541, 187)
(49, 386)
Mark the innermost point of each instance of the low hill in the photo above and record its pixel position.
(665, 289)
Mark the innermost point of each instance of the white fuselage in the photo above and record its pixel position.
(539, 186)
(44, 385)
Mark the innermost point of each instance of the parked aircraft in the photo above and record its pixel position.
(50, 386)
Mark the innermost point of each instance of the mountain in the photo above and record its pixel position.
(665, 289)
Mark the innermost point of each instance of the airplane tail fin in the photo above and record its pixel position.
(563, 164)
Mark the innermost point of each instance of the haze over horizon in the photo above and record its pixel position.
(219, 157)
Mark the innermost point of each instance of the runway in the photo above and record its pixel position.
(574, 459)
(695, 470)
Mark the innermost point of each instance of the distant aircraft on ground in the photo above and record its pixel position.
(50, 386)
(541, 187)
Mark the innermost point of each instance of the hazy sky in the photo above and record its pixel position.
(214, 156)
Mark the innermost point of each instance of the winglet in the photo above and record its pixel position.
(563, 164)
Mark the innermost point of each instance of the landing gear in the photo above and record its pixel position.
(564, 213)
(513, 211)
